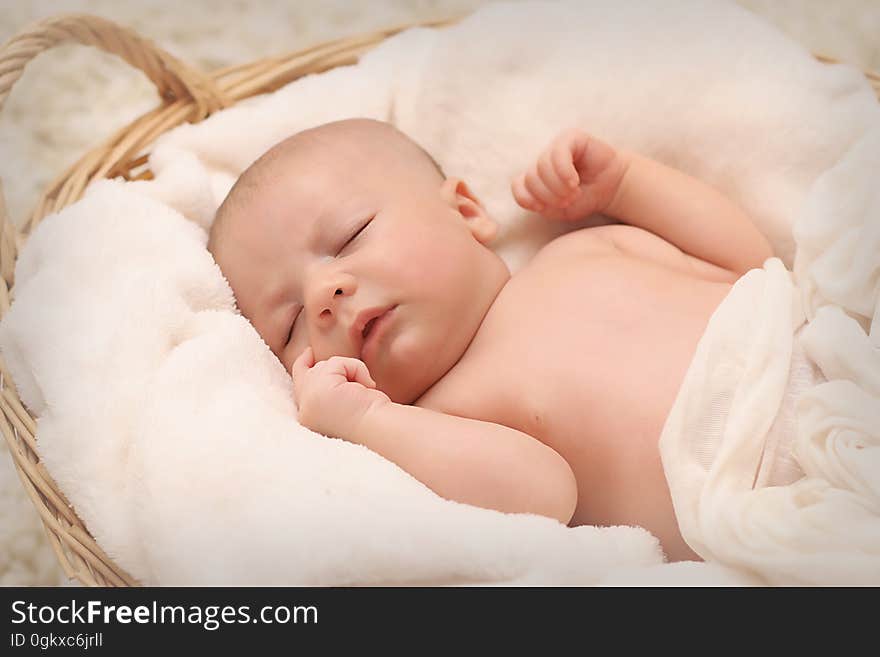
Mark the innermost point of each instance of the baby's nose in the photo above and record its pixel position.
(329, 298)
(328, 312)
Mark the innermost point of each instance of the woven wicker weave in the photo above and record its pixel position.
(186, 95)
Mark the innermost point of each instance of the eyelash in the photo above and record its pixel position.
(359, 231)
(290, 332)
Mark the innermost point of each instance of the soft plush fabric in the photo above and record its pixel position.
(170, 425)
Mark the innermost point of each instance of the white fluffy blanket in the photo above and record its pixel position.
(171, 427)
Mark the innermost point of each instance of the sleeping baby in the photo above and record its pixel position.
(369, 274)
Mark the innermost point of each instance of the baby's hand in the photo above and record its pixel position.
(333, 395)
(576, 176)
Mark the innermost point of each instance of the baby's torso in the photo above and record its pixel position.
(585, 349)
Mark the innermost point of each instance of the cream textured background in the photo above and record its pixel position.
(72, 97)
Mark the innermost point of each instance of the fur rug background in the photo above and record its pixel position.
(72, 97)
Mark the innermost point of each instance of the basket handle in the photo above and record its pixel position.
(172, 78)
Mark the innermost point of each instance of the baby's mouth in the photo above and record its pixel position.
(373, 329)
(369, 327)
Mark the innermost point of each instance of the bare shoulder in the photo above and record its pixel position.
(585, 241)
(638, 243)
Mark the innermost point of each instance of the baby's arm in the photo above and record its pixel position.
(461, 459)
(688, 213)
(480, 463)
(580, 175)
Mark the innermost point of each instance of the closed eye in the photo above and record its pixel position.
(357, 234)
(290, 332)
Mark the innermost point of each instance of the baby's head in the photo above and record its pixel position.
(344, 221)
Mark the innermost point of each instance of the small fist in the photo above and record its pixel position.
(576, 176)
(333, 395)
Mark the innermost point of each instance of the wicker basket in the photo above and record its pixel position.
(186, 95)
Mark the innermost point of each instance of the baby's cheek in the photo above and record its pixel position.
(412, 262)
(426, 259)
(431, 272)
(440, 260)
(405, 349)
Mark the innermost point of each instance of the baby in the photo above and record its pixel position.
(368, 273)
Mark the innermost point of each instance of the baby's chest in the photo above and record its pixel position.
(568, 336)
(576, 350)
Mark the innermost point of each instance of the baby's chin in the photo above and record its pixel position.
(400, 385)
(408, 374)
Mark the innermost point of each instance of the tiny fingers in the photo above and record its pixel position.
(303, 362)
(523, 196)
(353, 369)
(357, 371)
(556, 183)
(539, 189)
(553, 182)
(563, 165)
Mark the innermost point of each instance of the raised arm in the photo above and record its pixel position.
(690, 214)
(480, 463)
(579, 175)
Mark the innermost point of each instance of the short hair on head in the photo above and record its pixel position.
(250, 181)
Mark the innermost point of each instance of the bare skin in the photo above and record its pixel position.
(617, 334)
(543, 392)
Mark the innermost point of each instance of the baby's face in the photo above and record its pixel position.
(358, 252)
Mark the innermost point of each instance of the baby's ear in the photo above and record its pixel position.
(458, 195)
